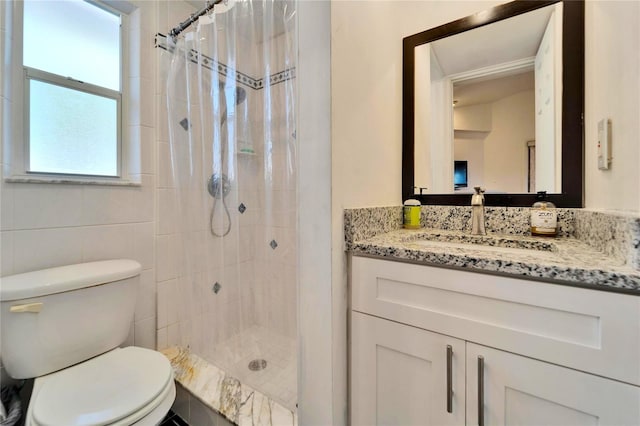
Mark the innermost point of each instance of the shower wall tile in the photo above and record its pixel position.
(5, 42)
(6, 203)
(46, 248)
(173, 335)
(165, 178)
(174, 294)
(162, 304)
(163, 64)
(6, 252)
(46, 205)
(108, 242)
(108, 204)
(130, 338)
(146, 301)
(167, 211)
(147, 109)
(178, 11)
(4, 70)
(165, 257)
(147, 57)
(144, 199)
(149, 19)
(163, 122)
(144, 244)
(145, 333)
(286, 252)
(161, 339)
(147, 150)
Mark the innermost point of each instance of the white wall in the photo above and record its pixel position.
(507, 125)
(471, 150)
(612, 90)
(505, 147)
(474, 118)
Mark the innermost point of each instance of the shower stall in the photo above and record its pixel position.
(228, 206)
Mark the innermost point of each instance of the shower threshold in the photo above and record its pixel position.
(225, 394)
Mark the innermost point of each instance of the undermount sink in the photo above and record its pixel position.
(485, 242)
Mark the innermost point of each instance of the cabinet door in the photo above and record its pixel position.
(399, 375)
(523, 391)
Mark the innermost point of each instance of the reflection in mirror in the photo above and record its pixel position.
(491, 99)
(493, 121)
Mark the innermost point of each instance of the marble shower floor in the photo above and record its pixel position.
(278, 380)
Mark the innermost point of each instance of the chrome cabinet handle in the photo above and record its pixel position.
(480, 390)
(449, 379)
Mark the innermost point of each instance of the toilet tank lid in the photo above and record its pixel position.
(66, 278)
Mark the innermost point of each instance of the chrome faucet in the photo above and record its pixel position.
(477, 215)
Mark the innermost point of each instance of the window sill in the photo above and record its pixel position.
(72, 180)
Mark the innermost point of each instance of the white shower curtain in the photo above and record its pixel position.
(231, 120)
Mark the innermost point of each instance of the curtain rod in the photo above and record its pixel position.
(191, 19)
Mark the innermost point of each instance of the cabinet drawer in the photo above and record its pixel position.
(588, 330)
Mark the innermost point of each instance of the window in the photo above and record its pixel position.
(72, 59)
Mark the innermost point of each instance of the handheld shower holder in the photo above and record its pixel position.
(219, 185)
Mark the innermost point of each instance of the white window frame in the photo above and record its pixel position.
(68, 83)
(16, 142)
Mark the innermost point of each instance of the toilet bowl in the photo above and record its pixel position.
(62, 326)
(128, 386)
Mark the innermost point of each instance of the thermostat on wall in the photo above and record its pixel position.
(604, 144)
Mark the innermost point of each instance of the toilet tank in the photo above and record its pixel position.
(54, 318)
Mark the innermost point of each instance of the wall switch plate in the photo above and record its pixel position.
(604, 144)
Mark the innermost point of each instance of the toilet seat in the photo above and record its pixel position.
(121, 387)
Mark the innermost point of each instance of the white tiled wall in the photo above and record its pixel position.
(46, 225)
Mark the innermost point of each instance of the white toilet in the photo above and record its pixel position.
(63, 327)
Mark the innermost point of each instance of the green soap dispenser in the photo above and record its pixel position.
(412, 214)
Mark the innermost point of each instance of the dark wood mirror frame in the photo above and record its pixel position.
(572, 103)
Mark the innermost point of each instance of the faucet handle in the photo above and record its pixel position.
(477, 199)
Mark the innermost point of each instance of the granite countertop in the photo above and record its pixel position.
(563, 260)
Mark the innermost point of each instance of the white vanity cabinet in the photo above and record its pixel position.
(551, 354)
(400, 375)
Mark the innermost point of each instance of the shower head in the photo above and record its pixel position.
(241, 96)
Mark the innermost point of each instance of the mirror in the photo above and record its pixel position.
(495, 100)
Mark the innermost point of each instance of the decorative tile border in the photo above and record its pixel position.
(162, 42)
(225, 394)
